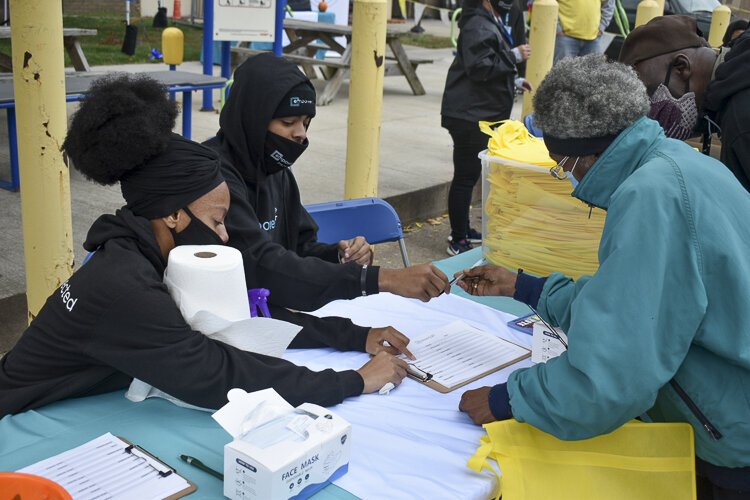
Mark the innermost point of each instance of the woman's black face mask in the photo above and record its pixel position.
(195, 233)
(281, 153)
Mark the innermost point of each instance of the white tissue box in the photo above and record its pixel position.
(291, 455)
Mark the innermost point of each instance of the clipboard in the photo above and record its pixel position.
(424, 380)
(97, 468)
(134, 448)
(424, 377)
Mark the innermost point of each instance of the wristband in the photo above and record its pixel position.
(363, 280)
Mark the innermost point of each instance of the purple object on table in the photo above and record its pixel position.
(258, 298)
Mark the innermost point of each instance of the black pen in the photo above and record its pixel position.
(200, 465)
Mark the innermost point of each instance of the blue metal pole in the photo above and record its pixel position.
(208, 50)
(187, 113)
(279, 31)
(226, 55)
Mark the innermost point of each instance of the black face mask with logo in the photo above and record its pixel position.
(195, 233)
(281, 153)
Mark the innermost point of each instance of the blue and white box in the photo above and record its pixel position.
(280, 451)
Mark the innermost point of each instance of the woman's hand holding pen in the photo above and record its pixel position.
(388, 340)
(488, 280)
(380, 370)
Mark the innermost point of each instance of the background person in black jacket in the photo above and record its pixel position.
(263, 132)
(114, 319)
(689, 81)
(480, 85)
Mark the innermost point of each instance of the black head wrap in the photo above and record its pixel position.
(172, 180)
(123, 132)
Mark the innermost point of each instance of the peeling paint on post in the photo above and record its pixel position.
(39, 86)
(365, 98)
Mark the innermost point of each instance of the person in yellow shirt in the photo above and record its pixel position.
(580, 27)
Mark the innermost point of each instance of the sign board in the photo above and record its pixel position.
(244, 20)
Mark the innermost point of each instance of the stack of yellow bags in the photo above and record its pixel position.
(531, 220)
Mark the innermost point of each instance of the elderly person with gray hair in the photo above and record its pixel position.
(661, 328)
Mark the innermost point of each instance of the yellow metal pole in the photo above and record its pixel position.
(365, 98)
(542, 41)
(647, 10)
(660, 3)
(39, 86)
(719, 22)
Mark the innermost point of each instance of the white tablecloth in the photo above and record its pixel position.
(413, 443)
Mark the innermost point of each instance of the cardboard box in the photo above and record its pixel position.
(279, 451)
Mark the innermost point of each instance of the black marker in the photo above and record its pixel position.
(200, 465)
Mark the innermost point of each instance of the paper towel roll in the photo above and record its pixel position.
(208, 278)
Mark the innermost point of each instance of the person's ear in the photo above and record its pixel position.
(171, 220)
(681, 65)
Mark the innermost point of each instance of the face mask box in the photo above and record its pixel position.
(279, 451)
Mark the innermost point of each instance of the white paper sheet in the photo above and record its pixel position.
(102, 468)
(546, 345)
(459, 352)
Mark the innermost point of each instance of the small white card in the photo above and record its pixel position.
(547, 345)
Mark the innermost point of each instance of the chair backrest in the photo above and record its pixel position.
(373, 218)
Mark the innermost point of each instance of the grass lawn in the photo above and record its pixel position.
(427, 41)
(104, 48)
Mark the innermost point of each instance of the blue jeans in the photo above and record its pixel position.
(567, 46)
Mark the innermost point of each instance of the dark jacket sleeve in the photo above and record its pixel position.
(144, 335)
(483, 59)
(308, 244)
(735, 143)
(302, 283)
(339, 333)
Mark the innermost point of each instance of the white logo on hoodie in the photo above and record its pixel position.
(68, 301)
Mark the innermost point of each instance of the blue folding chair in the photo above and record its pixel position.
(372, 218)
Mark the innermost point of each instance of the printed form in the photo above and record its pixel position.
(102, 469)
(459, 352)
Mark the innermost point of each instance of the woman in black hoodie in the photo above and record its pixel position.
(263, 132)
(114, 319)
(480, 86)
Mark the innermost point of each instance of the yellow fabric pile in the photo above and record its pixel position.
(530, 219)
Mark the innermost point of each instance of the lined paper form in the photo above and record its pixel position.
(458, 352)
(102, 469)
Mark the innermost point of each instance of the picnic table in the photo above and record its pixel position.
(70, 41)
(77, 86)
(307, 38)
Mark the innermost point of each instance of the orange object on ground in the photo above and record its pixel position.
(176, 10)
(23, 486)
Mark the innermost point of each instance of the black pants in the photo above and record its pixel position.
(468, 142)
(709, 491)
(721, 483)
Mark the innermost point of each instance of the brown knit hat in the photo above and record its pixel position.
(661, 35)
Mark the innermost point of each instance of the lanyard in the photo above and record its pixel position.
(505, 30)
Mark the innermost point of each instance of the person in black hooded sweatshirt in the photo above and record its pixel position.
(263, 132)
(114, 319)
(480, 86)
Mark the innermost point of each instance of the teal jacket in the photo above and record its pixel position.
(671, 298)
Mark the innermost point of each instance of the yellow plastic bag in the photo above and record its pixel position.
(512, 140)
(639, 460)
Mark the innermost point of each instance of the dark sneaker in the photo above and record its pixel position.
(474, 236)
(458, 246)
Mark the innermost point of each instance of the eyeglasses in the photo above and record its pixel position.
(557, 171)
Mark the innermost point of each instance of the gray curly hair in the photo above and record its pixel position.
(583, 97)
